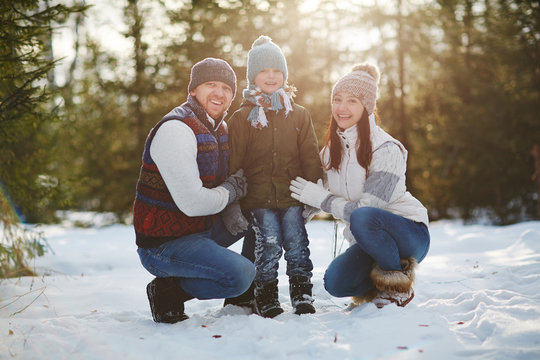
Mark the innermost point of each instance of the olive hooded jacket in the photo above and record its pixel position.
(273, 155)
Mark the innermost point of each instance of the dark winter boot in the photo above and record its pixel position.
(394, 286)
(167, 299)
(267, 299)
(301, 298)
(245, 300)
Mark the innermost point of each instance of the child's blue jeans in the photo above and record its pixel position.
(382, 238)
(277, 230)
(205, 268)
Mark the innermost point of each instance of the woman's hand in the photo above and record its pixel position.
(308, 192)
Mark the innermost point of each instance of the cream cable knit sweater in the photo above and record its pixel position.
(384, 188)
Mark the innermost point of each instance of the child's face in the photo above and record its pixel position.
(269, 80)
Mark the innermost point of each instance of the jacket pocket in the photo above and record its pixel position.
(293, 172)
(254, 172)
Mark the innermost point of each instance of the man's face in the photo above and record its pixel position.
(214, 96)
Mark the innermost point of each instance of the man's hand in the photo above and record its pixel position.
(308, 192)
(236, 184)
(233, 218)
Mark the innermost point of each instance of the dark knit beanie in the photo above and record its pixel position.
(264, 54)
(212, 69)
(361, 82)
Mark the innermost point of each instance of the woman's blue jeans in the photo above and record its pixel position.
(277, 230)
(205, 268)
(382, 238)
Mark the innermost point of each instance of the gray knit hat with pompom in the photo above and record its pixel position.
(264, 54)
(361, 82)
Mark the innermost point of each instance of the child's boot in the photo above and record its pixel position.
(167, 299)
(267, 299)
(301, 297)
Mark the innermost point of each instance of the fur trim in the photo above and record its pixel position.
(384, 298)
(395, 280)
(364, 298)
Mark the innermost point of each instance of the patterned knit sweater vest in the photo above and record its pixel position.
(156, 217)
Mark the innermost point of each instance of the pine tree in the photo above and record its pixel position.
(480, 110)
(452, 71)
(26, 110)
(105, 128)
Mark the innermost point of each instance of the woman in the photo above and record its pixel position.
(365, 177)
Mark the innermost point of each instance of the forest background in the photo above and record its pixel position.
(460, 88)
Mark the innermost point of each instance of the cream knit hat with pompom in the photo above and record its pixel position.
(361, 82)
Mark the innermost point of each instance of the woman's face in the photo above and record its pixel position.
(347, 109)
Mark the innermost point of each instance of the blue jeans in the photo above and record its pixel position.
(277, 230)
(382, 238)
(204, 267)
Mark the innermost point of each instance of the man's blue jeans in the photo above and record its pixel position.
(277, 230)
(205, 268)
(382, 238)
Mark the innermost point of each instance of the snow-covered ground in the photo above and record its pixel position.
(477, 296)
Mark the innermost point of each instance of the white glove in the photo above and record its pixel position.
(233, 218)
(308, 192)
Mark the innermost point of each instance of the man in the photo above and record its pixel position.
(182, 188)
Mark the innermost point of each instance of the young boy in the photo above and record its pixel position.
(273, 140)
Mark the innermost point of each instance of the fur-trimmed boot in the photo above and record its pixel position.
(267, 299)
(167, 299)
(394, 286)
(300, 288)
(364, 298)
(245, 300)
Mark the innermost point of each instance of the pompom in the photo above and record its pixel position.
(370, 69)
(263, 39)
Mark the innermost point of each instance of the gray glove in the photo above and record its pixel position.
(233, 218)
(309, 212)
(236, 184)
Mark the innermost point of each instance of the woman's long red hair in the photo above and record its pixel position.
(363, 144)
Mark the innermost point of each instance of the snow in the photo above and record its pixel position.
(477, 295)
